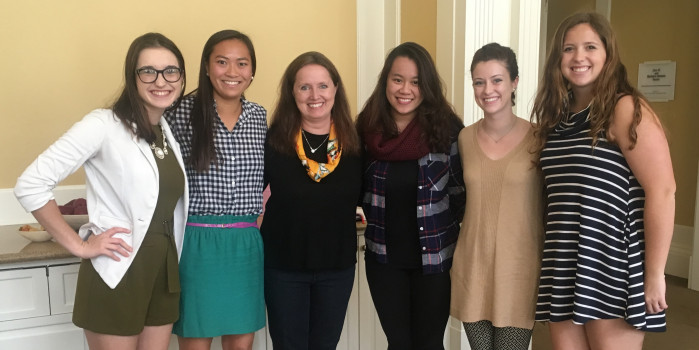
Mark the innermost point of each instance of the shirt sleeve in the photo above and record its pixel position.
(82, 141)
(457, 191)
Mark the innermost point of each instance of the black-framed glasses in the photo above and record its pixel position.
(149, 74)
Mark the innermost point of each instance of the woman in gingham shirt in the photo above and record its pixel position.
(222, 136)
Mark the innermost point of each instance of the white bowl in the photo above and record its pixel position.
(36, 236)
(75, 221)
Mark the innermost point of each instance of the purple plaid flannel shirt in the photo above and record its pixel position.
(440, 207)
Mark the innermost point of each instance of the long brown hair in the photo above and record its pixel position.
(286, 119)
(435, 115)
(129, 106)
(553, 100)
(203, 111)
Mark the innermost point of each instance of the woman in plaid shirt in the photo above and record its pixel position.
(413, 198)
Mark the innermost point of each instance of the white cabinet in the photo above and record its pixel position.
(56, 334)
(62, 282)
(23, 294)
(36, 305)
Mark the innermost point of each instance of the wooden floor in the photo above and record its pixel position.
(682, 322)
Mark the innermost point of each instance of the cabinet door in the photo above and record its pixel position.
(63, 280)
(23, 293)
(61, 336)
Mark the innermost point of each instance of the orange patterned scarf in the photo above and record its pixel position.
(317, 171)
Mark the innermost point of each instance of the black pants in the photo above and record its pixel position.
(306, 309)
(413, 308)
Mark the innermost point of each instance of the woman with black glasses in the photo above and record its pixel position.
(128, 285)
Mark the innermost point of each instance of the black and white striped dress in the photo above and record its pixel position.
(593, 259)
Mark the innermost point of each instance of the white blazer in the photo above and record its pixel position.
(122, 183)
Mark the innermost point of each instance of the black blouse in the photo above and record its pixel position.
(310, 225)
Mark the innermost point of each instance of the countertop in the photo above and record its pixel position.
(15, 248)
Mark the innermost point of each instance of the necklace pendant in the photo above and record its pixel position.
(159, 153)
(313, 150)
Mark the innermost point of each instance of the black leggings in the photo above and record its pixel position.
(483, 336)
(413, 308)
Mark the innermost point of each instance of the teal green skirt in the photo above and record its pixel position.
(221, 277)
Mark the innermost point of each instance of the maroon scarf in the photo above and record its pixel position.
(408, 145)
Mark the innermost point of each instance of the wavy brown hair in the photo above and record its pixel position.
(286, 119)
(553, 99)
(435, 115)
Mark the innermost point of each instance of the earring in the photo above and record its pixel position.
(207, 74)
(252, 77)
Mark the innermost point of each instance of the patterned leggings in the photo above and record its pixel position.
(483, 336)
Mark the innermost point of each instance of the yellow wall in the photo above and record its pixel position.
(419, 24)
(61, 59)
(652, 30)
(558, 10)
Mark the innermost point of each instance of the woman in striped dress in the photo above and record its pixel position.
(610, 192)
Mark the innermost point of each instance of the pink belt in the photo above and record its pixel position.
(233, 225)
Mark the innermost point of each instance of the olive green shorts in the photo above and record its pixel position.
(142, 297)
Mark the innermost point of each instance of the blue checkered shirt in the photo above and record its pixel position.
(234, 185)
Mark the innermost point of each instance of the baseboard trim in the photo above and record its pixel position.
(678, 259)
(12, 213)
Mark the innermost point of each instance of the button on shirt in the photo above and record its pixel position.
(233, 186)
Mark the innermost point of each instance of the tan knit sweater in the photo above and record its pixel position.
(498, 254)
